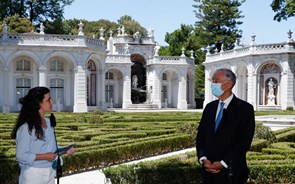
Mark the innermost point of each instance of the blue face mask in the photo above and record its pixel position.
(216, 89)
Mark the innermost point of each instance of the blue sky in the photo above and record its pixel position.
(167, 15)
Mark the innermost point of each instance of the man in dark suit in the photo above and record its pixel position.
(222, 146)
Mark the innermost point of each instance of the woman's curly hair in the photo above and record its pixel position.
(29, 112)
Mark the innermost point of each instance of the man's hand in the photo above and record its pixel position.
(217, 165)
(214, 167)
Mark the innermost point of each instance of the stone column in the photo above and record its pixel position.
(80, 104)
(127, 88)
(192, 91)
(42, 76)
(156, 91)
(100, 88)
(182, 103)
(169, 91)
(252, 83)
(5, 87)
(207, 87)
(286, 89)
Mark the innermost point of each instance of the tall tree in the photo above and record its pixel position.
(16, 24)
(283, 8)
(131, 26)
(36, 10)
(218, 22)
(179, 39)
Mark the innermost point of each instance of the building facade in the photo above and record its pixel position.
(83, 74)
(265, 73)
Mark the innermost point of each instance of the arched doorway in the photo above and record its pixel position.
(269, 85)
(170, 89)
(91, 84)
(114, 88)
(138, 79)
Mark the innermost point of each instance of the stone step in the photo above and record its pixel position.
(143, 106)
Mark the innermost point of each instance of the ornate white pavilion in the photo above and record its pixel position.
(85, 74)
(265, 73)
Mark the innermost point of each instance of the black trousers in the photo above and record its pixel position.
(223, 178)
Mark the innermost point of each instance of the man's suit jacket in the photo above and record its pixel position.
(233, 137)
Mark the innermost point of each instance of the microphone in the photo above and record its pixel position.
(52, 120)
(58, 167)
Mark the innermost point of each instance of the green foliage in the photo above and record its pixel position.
(164, 51)
(284, 9)
(97, 112)
(36, 11)
(258, 144)
(92, 28)
(81, 119)
(58, 26)
(264, 132)
(276, 173)
(289, 108)
(275, 112)
(218, 22)
(172, 170)
(16, 24)
(129, 136)
(120, 138)
(188, 128)
(131, 26)
(286, 136)
(200, 81)
(180, 38)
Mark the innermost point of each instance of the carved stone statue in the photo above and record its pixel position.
(126, 49)
(134, 81)
(157, 48)
(271, 97)
(137, 37)
(4, 27)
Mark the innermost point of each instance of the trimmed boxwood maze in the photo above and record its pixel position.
(105, 139)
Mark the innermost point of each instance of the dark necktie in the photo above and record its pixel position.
(219, 116)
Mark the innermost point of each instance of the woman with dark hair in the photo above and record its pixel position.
(35, 140)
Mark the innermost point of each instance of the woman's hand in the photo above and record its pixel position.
(46, 156)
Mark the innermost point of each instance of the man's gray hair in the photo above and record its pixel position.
(228, 74)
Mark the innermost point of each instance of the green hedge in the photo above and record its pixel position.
(172, 170)
(97, 158)
(184, 169)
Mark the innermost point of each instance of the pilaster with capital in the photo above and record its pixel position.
(156, 91)
(182, 103)
(191, 82)
(42, 77)
(5, 87)
(80, 89)
(252, 83)
(207, 87)
(286, 88)
(101, 90)
(127, 88)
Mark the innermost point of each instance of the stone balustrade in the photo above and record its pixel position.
(118, 58)
(131, 39)
(172, 60)
(252, 50)
(50, 40)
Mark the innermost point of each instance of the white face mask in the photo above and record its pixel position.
(216, 89)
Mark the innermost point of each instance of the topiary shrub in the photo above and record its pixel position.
(289, 108)
(264, 132)
(96, 119)
(98, 112)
